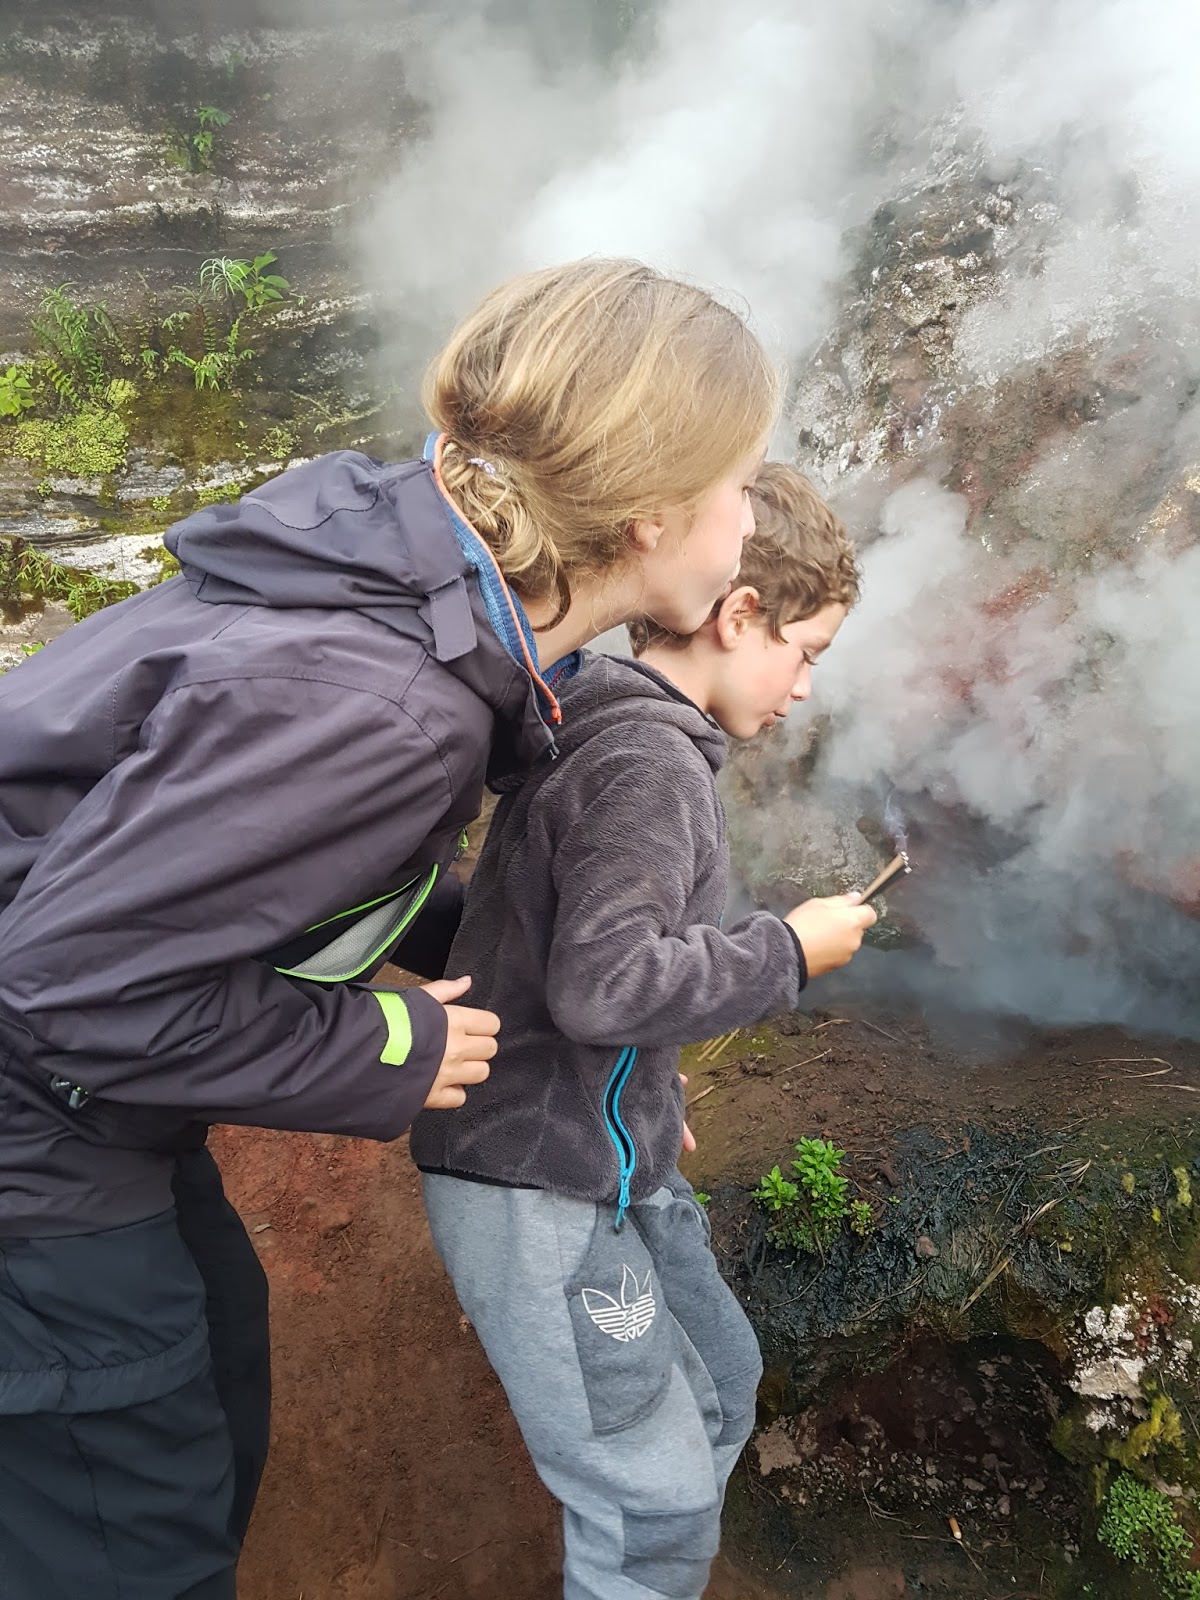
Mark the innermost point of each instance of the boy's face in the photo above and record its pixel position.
(759, 676)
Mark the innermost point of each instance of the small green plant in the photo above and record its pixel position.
(217, 368)
(1140, 1525)
(278, 443)
(775, 1192)
(119, 392)
(702, 1198)
(208, 120)
(16, 392)
(218, 494)
(810, 1210)
(36, 575)
(225, 276)
(818, 1164)
(32, 649)
(161, 502)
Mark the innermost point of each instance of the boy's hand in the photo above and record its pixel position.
(470, 1045)
(689, 1138)
(830, 930)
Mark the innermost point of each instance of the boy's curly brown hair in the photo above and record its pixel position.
(798, 558)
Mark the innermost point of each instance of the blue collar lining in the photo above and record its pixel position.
(496, 603)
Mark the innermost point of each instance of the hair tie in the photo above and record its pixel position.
(488, 466)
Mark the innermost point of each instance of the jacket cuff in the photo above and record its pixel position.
(414, 1044)
(800, 957)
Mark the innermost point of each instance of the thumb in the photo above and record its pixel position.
(447, 990)
(854, 898)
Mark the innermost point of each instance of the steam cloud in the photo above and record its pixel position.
(749, 147)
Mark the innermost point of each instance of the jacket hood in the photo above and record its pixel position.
(347, 532)
(338, 533)
(608, 692)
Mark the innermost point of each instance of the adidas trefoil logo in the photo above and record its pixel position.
(627, 1318)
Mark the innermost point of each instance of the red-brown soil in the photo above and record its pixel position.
(397, 1472)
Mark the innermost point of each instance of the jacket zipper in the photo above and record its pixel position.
(417, 891)
(618, 1132)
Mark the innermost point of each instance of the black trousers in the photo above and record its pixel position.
(151, 1502)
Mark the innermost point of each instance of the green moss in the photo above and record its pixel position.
(1162, 1429)
(87, 445)
(1183, 1187)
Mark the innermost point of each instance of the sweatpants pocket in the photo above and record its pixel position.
(622, 1330)
(669, 1553)
(676, 1232)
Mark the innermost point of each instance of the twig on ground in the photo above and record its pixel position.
(875, 1028)
(795, 1066)
(1128, 1061)
(1001, 1266)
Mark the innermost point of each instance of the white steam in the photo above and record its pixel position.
(750, 146)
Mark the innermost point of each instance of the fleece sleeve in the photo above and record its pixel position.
(250, 809)
(624, 966)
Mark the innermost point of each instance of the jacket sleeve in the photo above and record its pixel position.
(250, 808)
(624, 966)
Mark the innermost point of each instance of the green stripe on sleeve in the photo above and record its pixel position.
(399, 1026)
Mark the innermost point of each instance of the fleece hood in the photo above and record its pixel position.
(612, 692)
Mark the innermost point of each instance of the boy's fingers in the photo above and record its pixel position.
(447, 989)
(483, 1023)
(467, 1071)
(447, 1099)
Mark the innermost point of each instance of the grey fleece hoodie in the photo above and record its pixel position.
(592, 927)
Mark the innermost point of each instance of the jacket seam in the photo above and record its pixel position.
(331, 683)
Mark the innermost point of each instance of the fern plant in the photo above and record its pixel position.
(217, 367)
(76, 341)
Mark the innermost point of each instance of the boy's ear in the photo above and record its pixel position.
(739, 609)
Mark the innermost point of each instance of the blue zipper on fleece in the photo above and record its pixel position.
(618, 1132)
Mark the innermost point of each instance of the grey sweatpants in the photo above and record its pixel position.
(629, 1365)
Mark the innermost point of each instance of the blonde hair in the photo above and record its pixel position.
(799, 558)
(581, 399)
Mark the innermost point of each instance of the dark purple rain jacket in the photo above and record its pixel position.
(297, 727)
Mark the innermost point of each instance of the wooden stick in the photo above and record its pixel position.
(897, 865)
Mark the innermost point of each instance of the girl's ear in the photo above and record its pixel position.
(739, 609)
(644, 536)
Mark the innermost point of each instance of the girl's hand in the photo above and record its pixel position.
(470, 1045)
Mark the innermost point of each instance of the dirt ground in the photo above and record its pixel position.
(396, 1469)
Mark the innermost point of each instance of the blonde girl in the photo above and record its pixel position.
(226, 802)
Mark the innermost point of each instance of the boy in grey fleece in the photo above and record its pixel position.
(593, 926)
